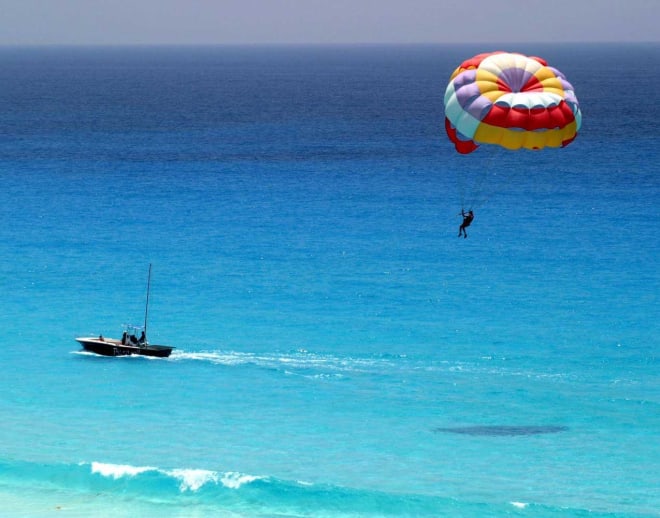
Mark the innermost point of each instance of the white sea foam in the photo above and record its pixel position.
(193, 479)
(519, 505)
(117, 471)
(217, 357)
(234, 480)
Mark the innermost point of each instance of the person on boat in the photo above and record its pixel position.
(467, 220)
(124, 337)
(143, 339)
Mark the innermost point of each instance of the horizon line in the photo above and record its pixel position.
(327, 44)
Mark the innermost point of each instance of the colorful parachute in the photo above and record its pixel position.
(510, 100)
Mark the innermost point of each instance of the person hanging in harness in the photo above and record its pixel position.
(467, 220)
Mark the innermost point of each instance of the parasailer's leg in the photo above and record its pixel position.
(461, 231)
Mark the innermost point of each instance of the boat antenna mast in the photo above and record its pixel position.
(146, 307)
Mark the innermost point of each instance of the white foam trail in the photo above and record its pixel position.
(217, 357)
(287, 361)
(118, 471)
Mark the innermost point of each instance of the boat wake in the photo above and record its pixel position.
(327, 366)
(300, 362)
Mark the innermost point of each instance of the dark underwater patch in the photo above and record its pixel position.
(500, 430)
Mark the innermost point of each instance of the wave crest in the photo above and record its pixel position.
(193, 479)
(236, 494)
(187, 479)
(117, 471)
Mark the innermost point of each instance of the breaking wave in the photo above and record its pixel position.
(174, 491)
(187, 479)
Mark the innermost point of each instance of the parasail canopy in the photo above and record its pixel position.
(510, 100)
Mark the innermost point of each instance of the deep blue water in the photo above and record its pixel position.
(339, 351)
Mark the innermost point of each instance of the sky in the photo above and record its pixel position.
(185, 22)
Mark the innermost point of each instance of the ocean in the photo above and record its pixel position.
(339, 352)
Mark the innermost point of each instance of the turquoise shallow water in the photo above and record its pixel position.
(333, 335)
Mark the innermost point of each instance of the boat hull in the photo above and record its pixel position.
(111, 347)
